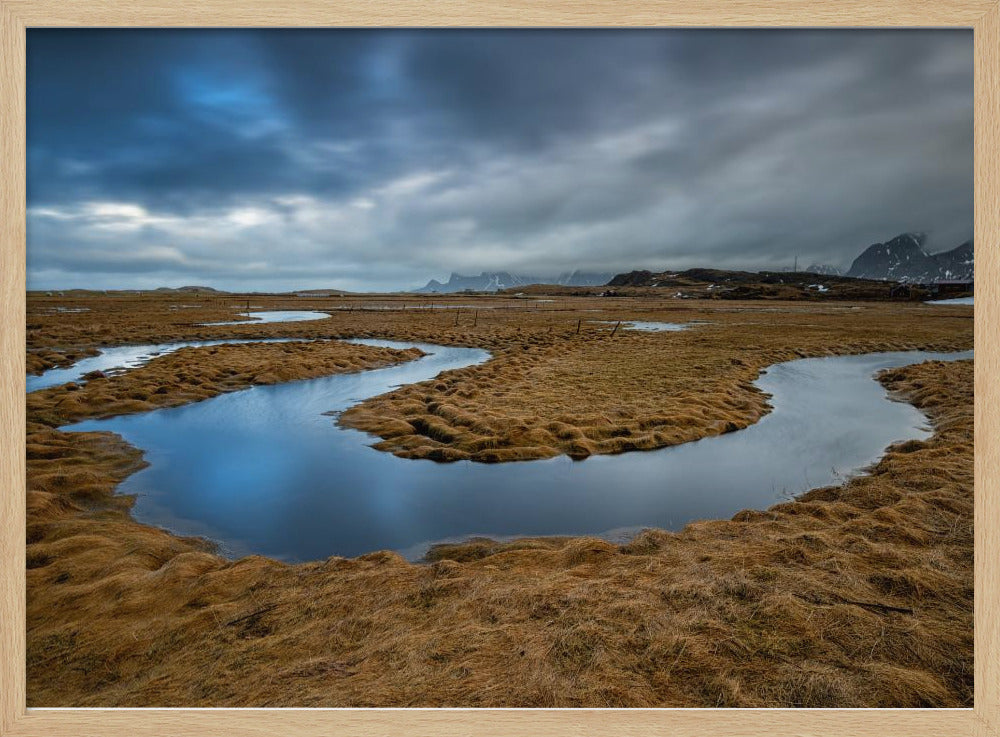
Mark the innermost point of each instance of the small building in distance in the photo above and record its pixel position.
(950, 288)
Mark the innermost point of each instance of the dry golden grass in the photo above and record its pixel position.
(858, 595)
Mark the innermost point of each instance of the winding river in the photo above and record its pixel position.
(267, 470)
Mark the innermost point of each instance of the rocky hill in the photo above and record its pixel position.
(903, 259)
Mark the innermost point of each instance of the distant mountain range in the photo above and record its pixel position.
(189, 290)
(494, 281)
(904, 259)
(823, 270)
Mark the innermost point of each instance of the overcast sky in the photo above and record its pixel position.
(375, 160)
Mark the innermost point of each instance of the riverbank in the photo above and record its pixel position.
(858, 595)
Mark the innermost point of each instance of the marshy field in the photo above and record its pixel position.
(540, 500)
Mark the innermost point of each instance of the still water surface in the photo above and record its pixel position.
(655, 327)
(953, 301)
(256, 318)
(264, 470)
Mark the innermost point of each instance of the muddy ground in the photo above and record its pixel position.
(853, 596)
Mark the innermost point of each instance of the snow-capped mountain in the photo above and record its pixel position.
(958, 263)
(904, 259)
(494, 281)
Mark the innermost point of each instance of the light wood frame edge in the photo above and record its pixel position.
(15, 15)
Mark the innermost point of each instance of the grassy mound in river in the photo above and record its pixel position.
(592, 393)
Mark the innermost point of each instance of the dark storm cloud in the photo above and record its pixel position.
(377, 159)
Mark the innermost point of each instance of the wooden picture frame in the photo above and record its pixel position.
(16, 15)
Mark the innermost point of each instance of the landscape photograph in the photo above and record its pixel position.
(499, 368)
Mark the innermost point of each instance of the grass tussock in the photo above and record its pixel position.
(43, 359)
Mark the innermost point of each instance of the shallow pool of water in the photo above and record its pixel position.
(264, 470)
(256, 318)
(955, 301)
(656, 327)
(652, 327)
